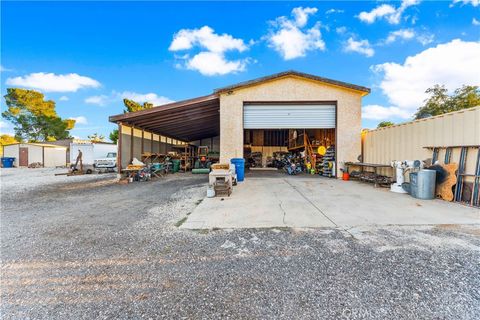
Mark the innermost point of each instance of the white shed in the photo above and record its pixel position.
(26, 154)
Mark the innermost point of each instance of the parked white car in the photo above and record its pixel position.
(109, 163)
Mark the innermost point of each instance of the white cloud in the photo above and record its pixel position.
(3, 69)
(391, 14)
(79, 120)
(341, 30)
(211, 60)
(51, 82)
(301, 15)
(63, 98)
(213, 63)
(6, 128)
(117, 97)
(377, 13)
(4, 124)
(376, 112)
(452, 64)
(144, 97)
(206, 38)
(100, 100)
(361, 46)
(405, 34)
(472, 2)
(425, 38)
(290, 39)
(475, 22)
(331, 11)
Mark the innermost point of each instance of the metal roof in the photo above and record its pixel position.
(337, 83)
(38, 144)
(186, 120)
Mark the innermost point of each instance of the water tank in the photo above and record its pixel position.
(422, 184)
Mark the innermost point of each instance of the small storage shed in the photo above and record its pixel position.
(26, 154)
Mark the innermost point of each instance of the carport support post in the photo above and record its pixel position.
(142, 150)
(119, 150)
(151, 142)
(131, 143)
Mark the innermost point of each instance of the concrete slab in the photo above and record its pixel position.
(278, 200)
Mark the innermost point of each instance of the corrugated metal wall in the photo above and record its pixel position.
(160, 144)
(408, 141)
(288, 116)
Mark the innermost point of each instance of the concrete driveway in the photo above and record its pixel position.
(278, 200)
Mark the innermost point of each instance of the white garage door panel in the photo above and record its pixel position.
(288, 116)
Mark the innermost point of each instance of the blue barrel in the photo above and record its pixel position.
(7, 162)
(239, 164)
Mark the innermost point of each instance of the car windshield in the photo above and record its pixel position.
(111, 155)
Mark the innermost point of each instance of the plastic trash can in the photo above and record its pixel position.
(176, 165)
(239, 164)
(7, 162)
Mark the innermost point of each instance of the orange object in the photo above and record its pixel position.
(345, 176)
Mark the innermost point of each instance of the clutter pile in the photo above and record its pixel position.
(35, 165)
(328, 162)
(183, 158)
(224, 176)
(321, 161)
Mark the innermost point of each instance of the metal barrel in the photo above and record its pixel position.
(422, 184)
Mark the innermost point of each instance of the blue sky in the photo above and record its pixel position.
(87, 56)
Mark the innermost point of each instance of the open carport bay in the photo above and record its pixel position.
(278, 200)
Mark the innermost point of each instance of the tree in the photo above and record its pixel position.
(35, 119)
(132, 106)
(6, 139)
(96, 137)
(114, 135)
(384, 124)
(440, 102)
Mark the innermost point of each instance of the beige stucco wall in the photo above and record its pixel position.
(291, 88)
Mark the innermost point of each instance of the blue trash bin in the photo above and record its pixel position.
(7, 162)
(239, 164)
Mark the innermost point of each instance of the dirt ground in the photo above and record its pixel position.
(87, 247)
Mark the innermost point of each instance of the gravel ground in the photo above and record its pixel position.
(90, 248)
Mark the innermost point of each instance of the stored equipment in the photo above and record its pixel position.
(401, 167)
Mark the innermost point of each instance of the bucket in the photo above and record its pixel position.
(7, 162)
(346, 176)
(239, 164)
(422, 184)
(176, 165)
(210, 192)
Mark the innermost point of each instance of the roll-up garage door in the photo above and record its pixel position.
(291, 116)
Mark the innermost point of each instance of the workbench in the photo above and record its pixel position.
(376, 178)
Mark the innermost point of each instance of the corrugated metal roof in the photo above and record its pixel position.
(37, 144)
(186, 120)
(355, 87)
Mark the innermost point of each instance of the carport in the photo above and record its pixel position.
(159, 129)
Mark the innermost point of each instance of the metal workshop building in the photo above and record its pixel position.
(259, 114)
